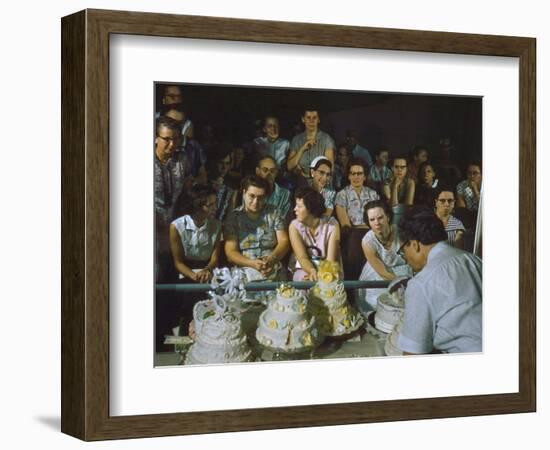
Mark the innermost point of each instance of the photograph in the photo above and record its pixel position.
(299, 224)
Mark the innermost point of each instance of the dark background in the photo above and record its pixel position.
(399, 121)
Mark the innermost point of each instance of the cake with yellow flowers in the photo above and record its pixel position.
(219, 334)
(328, 303)
(287, 325)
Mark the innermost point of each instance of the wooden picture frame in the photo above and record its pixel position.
(85, 224)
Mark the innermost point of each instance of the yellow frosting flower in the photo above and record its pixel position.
(326, 268)
(285, 290)
(302, 307)
(272, 324)
(327, 277)
(307, 339)
(329, 293)
(346, 323)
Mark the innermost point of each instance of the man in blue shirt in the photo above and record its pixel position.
(443, 308)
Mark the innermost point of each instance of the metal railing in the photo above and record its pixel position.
(268, 285)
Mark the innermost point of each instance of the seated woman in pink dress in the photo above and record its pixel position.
(313, 235)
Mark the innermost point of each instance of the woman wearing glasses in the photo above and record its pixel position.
(350, 203)
(321, 172)
(313, 235)
(444, 205)
(400, 190)
(381, 248)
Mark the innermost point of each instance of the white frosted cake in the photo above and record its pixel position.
(286, 325)
(219, 335)
(389, 346)
(391, 305)
(329, 304)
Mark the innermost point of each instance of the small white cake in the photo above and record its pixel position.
(286, 325)
(219, 335)
(389, 346)
(329, 304)
(391, 305)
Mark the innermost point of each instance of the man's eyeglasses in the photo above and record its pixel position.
(450, 201)
(401, 251)
(168, 139)
(356, 174)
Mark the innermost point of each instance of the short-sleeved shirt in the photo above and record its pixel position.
(319, 239)
(197, 242)
(324, 142)
(280, 199)
(277, 149)
(354, 204)
(256, 238)
(443, 307)
(329, 195)
(453, 227)
(169, 178)
(382, 175)
(463, 188)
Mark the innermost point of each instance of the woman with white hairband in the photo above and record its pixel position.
(321, 172)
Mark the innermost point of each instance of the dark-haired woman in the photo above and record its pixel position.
(195, 238)
(381, 246)
(427, 182)
(444, 205)
(313, 235)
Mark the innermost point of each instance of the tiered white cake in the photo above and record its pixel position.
(219, 335)
(391, 305)
(329, 304)
(286, 325)
(389, 346)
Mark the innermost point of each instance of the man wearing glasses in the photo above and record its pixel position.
(169, 175)
(279, 196)
(443, 309)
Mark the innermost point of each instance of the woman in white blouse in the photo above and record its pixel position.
(195, 238)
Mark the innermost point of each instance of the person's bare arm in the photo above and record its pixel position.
(376, 263)
(329, 154)
(295, 156)
(342, 216)
(300, 251)
(206, 274)
(333, 250)
(409, 198)
(460, 202)
(178, 253)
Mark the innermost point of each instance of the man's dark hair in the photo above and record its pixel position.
(313, 200)
(256, 181)
(380, 149)
(377, 204)
(167, 122)
(421, 224)
(260, 158)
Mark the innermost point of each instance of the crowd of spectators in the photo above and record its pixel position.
(277, 206)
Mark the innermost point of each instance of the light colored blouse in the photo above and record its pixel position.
(197, 242)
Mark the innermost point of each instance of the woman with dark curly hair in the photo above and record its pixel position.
(313, 235)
